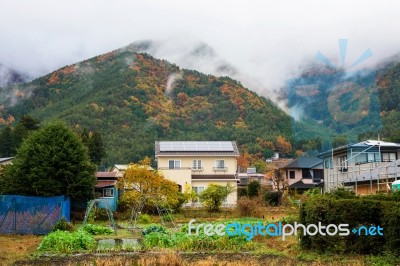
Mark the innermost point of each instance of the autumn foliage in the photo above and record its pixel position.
(142, 183)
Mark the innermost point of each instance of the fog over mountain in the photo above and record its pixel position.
(10, 77)
(260, 43)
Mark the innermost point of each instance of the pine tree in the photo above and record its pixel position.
(51, 161)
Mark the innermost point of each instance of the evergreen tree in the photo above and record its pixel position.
(7, 142)
(11, 138)
(94, 142)
(51, 161)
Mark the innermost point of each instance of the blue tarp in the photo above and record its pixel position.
(32, 215)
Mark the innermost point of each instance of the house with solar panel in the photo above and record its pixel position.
(199, 164)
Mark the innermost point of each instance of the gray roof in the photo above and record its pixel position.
(364, 144)
(6, 159)
(301, 185)
(304, 162)
(196, 148)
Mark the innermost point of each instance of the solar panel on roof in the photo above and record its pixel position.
(196, 146)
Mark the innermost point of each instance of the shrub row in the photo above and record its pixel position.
(156, 237)
(67, 242)
(355, 212)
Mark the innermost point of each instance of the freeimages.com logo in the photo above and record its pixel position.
(279, 229)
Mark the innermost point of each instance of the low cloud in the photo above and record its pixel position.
(260, 43)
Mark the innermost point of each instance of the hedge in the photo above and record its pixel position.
(355, 212)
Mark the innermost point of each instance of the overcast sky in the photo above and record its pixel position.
(267, 40)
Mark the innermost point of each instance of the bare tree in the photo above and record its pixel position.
(278, 178)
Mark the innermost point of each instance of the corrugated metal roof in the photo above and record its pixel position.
(103, 183)
(106, 174)
(121, 167)
(363, 144)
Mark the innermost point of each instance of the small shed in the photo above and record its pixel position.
(106, 189)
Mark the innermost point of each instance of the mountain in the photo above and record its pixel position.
(134, 99)
(9, 77)
(347, 106)
(197, 55)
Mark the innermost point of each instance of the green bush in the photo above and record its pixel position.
(355, 212)
(213, 196)
(154, 229)
(391, 224)
(290, 219)
(182, 241)
(241, 192)
(95, 229)
(253, 188)
(167, 218)
(342, 193)
(63, 225)
(144, 219)
(67, 242)
(394, 196)
(272, 198)
(156, 239)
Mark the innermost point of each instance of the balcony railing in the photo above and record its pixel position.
(224, 169)
(216, 169)
(178, 168)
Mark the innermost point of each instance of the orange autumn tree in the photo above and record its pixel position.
(282, 145)
(244, 160)
(142, 183)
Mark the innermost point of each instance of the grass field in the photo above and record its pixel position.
(269, 251)
(275, 252)
(17, 247)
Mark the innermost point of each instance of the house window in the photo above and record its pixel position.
(318, 175)
(306, 173)
(371, 157)
(108, 192)
(343, 163)
(220, 164)
(174, 164)
(292, 174)
(328, 164)
(198, 190)
(388, 156)
(361, 158)
(196, 164)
